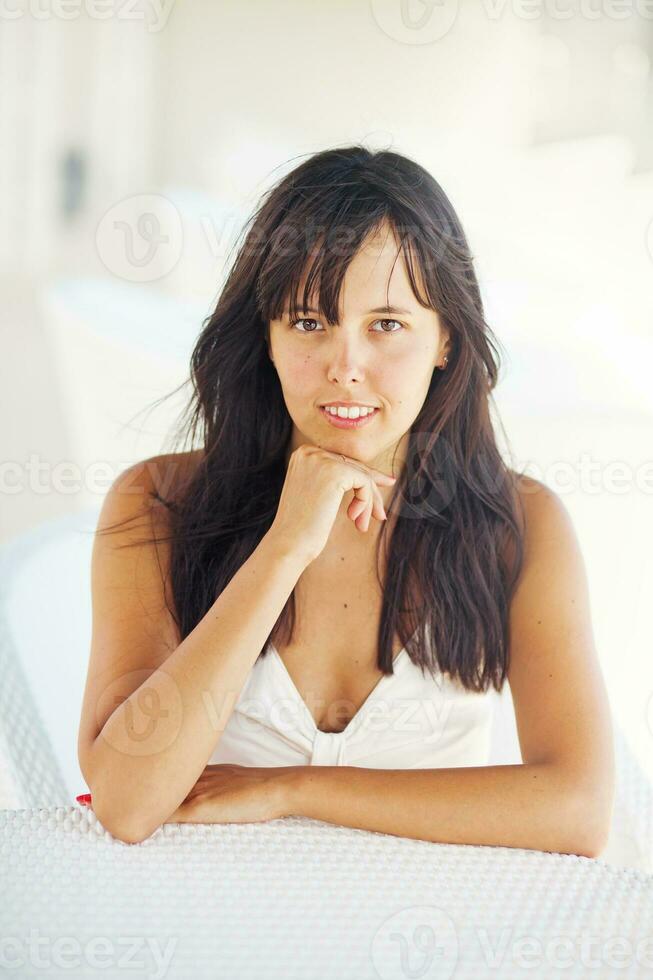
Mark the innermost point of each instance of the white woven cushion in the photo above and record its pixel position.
(299, 898)
(45, 629)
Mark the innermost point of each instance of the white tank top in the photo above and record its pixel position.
(408, 721)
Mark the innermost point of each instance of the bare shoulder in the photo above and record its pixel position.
(136, 514)
(532, 499)
(160, 477)
(146, 489)
(528, 487)
(544, 512)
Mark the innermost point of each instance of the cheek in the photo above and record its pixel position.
(301, 374)
(402, 373)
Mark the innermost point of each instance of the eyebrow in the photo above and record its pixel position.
(377, 309)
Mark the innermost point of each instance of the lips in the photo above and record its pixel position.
(347, 405)
(346, 423)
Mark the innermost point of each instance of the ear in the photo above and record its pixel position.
(445, 347)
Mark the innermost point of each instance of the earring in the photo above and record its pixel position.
(446, 361)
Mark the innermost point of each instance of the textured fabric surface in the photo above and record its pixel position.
(29, 772)
(631, 836)
(45, 630)
(299, 898)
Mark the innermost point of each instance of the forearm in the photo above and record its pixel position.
(154, 746)
(535, 806)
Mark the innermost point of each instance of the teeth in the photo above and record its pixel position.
(349, 413)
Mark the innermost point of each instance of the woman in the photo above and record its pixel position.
(308, 559)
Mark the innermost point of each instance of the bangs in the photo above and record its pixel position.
(321, 263)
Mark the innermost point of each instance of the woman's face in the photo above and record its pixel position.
(381, 359)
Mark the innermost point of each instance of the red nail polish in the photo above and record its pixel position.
(84, 799)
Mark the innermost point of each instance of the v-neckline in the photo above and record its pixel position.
(355, 719)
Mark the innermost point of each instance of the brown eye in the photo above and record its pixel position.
(293, 324)
(400, 325)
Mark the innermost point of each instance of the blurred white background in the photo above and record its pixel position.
(136, 138)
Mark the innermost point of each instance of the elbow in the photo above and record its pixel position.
(590, 822)
(125, 827)
(597, 833)
(588, 845)
(129, 834)
(126, 823)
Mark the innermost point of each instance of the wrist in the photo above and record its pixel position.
(290, 785)
(286, 551)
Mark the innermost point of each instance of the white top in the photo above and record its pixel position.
(408, 721)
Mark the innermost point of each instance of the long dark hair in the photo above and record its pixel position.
(456, 550)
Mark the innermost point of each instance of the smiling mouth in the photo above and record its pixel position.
(344, 422)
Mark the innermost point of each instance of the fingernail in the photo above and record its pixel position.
(84, 799)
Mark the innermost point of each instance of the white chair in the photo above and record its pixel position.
(45, 629)
(45, 632)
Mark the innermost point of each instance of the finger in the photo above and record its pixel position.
(367, 502)
(375, 503)
(379, 506)
(360, 501)
(376, 474)
(372, 502)
(356, 508)
(367, 515)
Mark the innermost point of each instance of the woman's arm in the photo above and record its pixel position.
(561, 798)
(536, 806)
(154, 707)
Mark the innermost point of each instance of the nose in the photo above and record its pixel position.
(345, 359)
